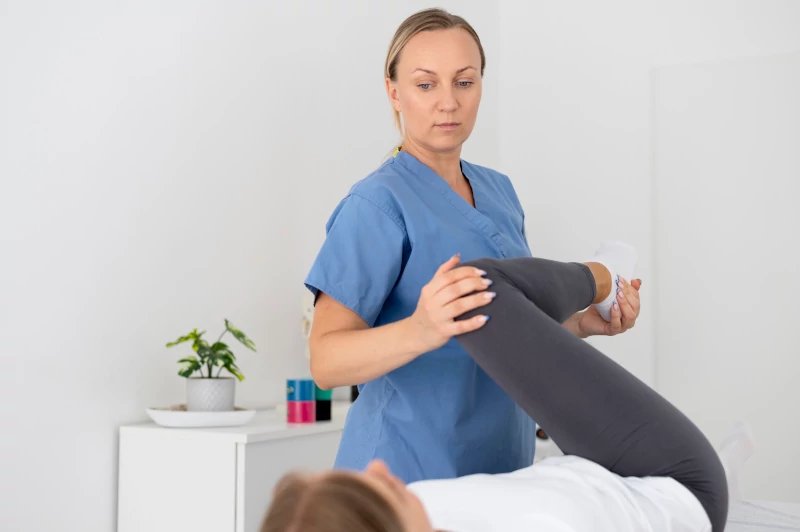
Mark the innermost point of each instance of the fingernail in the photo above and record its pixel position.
(487, 282)
(485, 317)
(456, 255)
(489, 295)
(621, 293)
(480, 272)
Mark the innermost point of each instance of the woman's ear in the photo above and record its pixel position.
(391, 91)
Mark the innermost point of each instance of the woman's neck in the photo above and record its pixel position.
(446, 165)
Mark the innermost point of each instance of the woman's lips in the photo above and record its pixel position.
(448, 126)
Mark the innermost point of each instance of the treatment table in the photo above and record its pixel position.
(763, 516)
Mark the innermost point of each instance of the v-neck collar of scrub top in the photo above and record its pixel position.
(473, 214)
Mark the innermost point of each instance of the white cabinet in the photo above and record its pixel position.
(215, 479)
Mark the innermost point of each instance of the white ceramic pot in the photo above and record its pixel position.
(210, 395)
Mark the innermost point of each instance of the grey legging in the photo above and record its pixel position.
(587, 403)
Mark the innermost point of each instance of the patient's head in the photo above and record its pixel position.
(339, 501)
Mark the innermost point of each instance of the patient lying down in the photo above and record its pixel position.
(560, 493)
(633, 462)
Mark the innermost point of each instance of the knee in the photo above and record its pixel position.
(482, 262)
(492, 266)
(496, 271)
(500, 284)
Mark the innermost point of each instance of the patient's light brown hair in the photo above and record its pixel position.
(338, 502)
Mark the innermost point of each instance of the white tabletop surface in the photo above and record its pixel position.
(267, 424)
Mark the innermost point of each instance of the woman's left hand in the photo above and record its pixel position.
(623, 314)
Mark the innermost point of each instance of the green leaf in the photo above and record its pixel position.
(221, 353)
(194, 335)
(218, 346)
(225, 353)
(233, 370)
(190, 365)
(239, 335)
(218, 358)
(189, 360)
(203, 351)
(199, 343)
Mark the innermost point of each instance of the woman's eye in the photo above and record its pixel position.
(464, 83)
(424, 86)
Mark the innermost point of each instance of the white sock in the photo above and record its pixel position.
(620, 259)
(734, 451)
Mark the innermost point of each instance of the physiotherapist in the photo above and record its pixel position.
(388, 286)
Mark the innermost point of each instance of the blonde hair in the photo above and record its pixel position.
(338, 502)
(425, 20)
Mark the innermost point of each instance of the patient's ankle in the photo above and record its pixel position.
(602, 279)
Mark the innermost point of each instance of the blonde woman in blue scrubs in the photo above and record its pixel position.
(388, 286)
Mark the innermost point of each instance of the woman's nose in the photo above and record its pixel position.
(448, 101)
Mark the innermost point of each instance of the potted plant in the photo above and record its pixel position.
(208, 391)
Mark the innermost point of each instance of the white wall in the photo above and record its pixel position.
(726, 109)
(687, 31)
(728, 182)
(155, 156)
(166, 166)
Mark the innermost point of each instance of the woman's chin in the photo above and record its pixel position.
(447, 144)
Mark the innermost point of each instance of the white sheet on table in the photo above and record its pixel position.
(763, 516)
(564, 494)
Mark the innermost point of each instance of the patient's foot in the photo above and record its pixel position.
(618, 259)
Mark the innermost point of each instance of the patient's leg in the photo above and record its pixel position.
(591, 406)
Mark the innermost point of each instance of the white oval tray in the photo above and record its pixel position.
(178, 416)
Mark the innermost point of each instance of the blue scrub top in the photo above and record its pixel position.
(439, 416)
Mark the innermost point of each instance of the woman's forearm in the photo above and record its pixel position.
(344, 358)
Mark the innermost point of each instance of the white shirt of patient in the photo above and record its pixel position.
(561, 494)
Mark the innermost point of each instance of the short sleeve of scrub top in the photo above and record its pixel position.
(361, 257)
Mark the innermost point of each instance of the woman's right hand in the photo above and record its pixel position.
(445, 298)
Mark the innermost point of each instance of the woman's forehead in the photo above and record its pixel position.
(443, 52)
